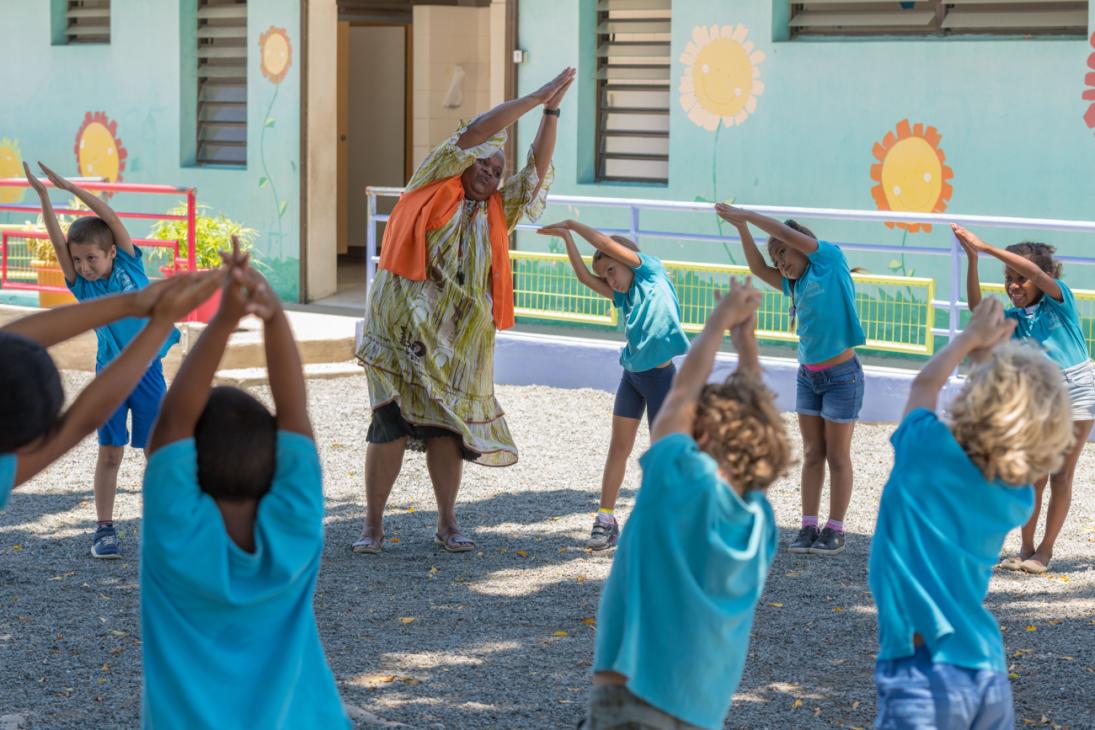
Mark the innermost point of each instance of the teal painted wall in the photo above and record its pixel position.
(1010, 113)
(143, 81)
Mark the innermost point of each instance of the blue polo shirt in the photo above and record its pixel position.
(652, 318)
(7, 477)
(127, 275)
(678, 605)
(229, 638)
(824, 299)
(1055, 326)
(940, 528)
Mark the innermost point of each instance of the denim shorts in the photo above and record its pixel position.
(914, 693)
(1080, 382)
(646, 389)
(614, 707)
(144, 403)
(835, 394)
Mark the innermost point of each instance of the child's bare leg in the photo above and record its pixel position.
(1027, 531)
(1060, 494)
(382, 465)
(812, 429)
(624, 431)
(106, 481)
(445, 463)
(838, 455)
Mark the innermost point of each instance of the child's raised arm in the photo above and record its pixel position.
(736, 307)
(603, 243)
(56, 235)
(986, 329)
(1030, 270)
(584, 275)
(283, 365)
(103, 396)
(62, 323)
(97, 206)
(795, 239)
(737, 217)
(973, 277)
(189, 391)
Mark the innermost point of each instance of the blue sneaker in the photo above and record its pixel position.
(105, 543)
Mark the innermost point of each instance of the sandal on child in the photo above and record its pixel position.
(1033, 567)
(1013, 563)
(368, 545)
(456, 542)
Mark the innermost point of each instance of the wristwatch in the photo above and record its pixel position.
(551, 112)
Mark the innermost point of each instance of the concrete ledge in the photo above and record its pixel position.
(249, 377)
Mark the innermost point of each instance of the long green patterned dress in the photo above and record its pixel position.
(429, 345)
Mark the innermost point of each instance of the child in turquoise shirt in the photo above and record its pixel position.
(673, 627)
(830, 384)
(1045, 313)
(942, 521)
(34, 431)
(99, 258)
(232, 540)
(640, 288)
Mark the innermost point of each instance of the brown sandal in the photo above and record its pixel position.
(456, 542)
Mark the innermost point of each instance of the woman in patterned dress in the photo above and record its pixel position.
(442, 289)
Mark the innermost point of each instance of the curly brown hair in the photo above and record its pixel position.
(737, 423)
(1039, 253)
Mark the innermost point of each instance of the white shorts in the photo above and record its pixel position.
(1080, 383)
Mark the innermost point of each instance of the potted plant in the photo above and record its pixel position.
(44, 260)
(212, 234)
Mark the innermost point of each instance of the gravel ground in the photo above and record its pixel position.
(503, 637)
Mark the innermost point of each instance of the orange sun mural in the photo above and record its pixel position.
(99, 152)
(276, 52)
(911, 174)
(11, 165)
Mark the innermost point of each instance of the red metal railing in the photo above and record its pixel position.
(190, 215)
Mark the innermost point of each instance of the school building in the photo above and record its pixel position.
(281, 112)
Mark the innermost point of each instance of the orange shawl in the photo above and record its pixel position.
(430, 207)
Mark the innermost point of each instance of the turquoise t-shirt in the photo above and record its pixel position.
(824, 299)
(690, 566)
(229, 638)
(652, 318)
(127, 275)
(1055, 326)
(940, 528)
(7, 477)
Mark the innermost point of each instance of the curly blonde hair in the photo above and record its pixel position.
(1013, 416)
(737, 423)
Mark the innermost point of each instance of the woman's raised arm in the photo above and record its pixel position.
(505, 114)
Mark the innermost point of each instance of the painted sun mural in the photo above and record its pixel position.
(99, 152)
(1089, 94)
(276, 53)
(721, 80)
(11, 165)
(911, 173)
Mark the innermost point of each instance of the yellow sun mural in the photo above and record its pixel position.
(11, 165)
(721, 80)
(911, 173)
(99, 152)
(276, 53)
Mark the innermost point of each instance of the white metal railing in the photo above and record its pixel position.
(636, 232)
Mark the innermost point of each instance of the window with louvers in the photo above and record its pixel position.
(87, 21)
(939, 17)
(222, 82)
(633, 72)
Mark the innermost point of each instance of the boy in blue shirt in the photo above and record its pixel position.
(639, 286)
(955, 492)
(33, 430)
(232, 540)
(673, 627)
(99, 258)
